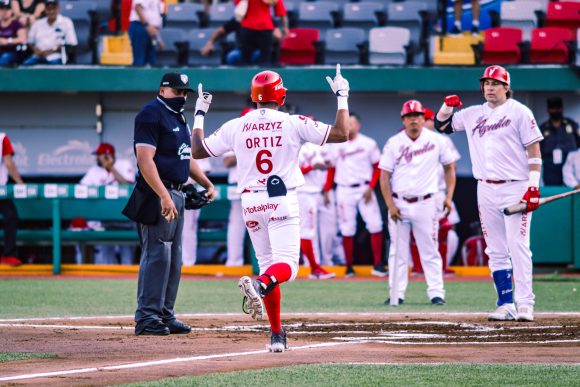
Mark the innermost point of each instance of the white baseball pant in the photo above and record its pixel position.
(330, 242)
(189, 237)
(350, 199)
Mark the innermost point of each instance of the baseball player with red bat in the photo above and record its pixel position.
(266, 143)
(504, 145)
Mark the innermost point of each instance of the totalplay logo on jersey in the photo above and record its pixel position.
(184, 152)
(261, 208)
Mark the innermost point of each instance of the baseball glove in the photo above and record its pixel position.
(194, 199)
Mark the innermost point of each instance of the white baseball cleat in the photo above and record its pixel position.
(525, 313)
(252, 303)
(505, 312)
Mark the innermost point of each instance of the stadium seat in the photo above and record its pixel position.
(196, 39)
(564, 14)
(170, 55)
(183, 15)
(319, 14)
(455, 50)
(83, 15)
(520, 14)
(342, 45)
(501, 46)
(388, 45)
(549, 45)
(366, 14)
(298, 48)
(116, 51)
(410, 15)
(220, 13)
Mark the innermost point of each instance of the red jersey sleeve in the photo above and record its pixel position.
(280, 8)
(7, 147)
(329, 179)
(376, 176)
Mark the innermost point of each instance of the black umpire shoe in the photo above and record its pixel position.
(151, 328)
(279, 341)
(177, 327)
(388, 302)
(437, 301)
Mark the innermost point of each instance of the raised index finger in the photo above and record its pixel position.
(337, 69)
(199, 89)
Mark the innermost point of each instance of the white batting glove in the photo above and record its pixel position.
(203, 101)
(339, 85)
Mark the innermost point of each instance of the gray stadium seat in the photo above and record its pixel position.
(170, 55)
(220, 13)
(341, 45)
(196, 39)
(387, 45)
(83, 15)
(183, 15)
(362, 15)
(520, 14)
(317, 14)
(409, 14)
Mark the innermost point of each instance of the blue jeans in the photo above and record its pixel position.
(8, 58)
(33, 60)
(234, 57)
(141, 44)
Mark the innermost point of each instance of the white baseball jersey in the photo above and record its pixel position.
(571, 169)
(498, 138)
(354, 160)
(311, 154)
(100, 176)
(441, 173)
(266, 142)
(414, 163)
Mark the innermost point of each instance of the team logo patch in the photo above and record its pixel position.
(251, 224)
(184, 78)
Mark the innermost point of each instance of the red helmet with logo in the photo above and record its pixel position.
(412, 106)
(267, 86)
(496, 72)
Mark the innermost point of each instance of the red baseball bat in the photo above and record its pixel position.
(521, 207)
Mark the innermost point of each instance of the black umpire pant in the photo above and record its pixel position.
(251, 40)
(160, 267)
(10, 217)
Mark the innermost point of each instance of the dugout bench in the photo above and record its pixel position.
(59, 203)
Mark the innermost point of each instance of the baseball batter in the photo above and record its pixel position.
(504, 145)
(356, 176)
(266, 143)
(311, 199)
(409, 182)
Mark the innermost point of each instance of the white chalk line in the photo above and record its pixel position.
(297, 314)
(382, 341)
(163, 362)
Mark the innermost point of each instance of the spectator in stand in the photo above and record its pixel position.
(257, 29)
(12, 33)
(561, 136)
(458, 8)
(7, 207)
(571, 170)
(110, 171)
(146, 21)
(49, 35)
(28, 11)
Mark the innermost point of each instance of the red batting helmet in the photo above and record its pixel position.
(267, 87)
(429, 114)
(412, 106)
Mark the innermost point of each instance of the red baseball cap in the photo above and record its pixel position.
(105, 149)
(429, 114)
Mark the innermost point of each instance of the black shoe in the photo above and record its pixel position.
(349, 272)
(437, 301)
(279, 342)
(388, 302)
(151, 328)
(455, 31)
(379, 271)
(177, 327)
(474, 30)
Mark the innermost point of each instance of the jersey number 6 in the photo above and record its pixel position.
(263, 163)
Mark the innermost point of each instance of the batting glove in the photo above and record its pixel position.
(339, 85)
(203, 101)
(453, 101)
(532, 199)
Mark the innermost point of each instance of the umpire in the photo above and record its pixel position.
(162, 142)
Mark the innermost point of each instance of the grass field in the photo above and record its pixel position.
(333, 375)
(11, 356)
(83, 297)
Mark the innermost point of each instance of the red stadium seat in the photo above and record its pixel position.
(501, 46)
(564, 14)
(298, 47)
(549, 45)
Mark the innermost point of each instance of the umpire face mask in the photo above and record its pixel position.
(175, 103)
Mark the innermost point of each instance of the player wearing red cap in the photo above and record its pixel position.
(504, 145)
(266, 143)
(409, 182)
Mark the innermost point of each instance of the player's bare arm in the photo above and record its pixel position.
(197, 174)
(445, 113)
(201, 107)
(108, 162)
(385, 182)
(340, 87)
(230, 161)
(532, 196)
(12, 170)
(149, 172)
(450, 181)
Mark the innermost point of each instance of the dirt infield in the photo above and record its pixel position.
(104, 351)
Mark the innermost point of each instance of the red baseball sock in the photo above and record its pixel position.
(308, 251)
(377, 247)
(272, 304)
(281, 271)
(348, 245)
